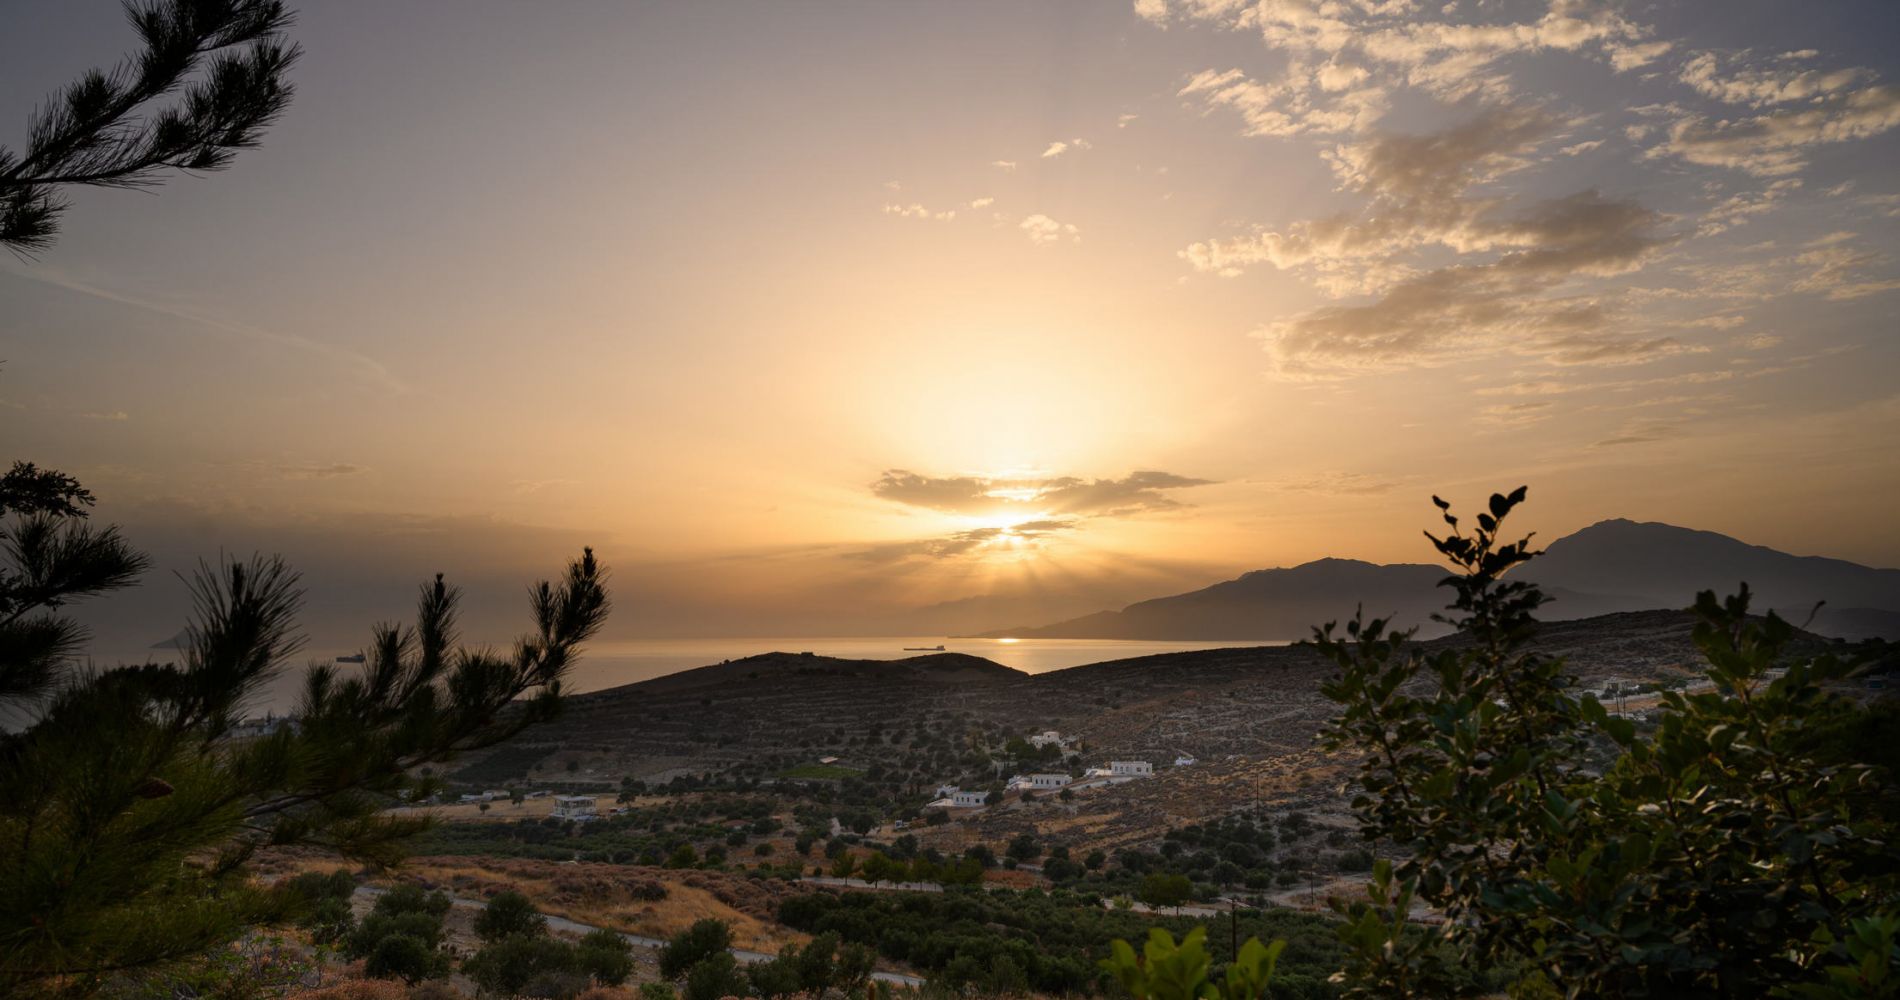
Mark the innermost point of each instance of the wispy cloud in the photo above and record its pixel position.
(331, 470)
(1044, 231)
(369, 368)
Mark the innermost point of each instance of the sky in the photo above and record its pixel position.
(849, 318)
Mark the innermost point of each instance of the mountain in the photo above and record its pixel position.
(1660, 565)
(1265, 604)
(1611, 566)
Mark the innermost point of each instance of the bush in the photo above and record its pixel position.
(509, 965)
(409, 959)
(1728, 852)
(507, 914)
(424, 927)
(715, 977)
(656, 991)
(605, 956)
(690, 947)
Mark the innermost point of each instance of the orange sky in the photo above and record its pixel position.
(772, 303)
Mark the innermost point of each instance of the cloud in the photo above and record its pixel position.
(1044, 231)
(1740, 208)
(1004, 165)
(1343, 59)
(1517, 414)
(1420, 193)
(1033, 509)
(1775, 143)
(1416, 188)
(1774, 84)
(333, 470)
(982, 202)
(1141, 491)
(1028, 534)
(1059, 147)
(113, 416)
(1639, 432)
(1503, 305)
(917, 211)
(1123, 121)
(1337, 484)
(1839, 271)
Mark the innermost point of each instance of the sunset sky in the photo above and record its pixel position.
(809, 315)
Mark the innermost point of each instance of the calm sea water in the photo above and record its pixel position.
(606, 664)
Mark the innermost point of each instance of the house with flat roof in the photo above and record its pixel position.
(575, 807)
(1043, 782)
(970, 799)
(1131, 768)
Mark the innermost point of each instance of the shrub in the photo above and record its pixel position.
(694, 945)
(1168, 971)
(1727, 853)
(605, 956)
(715, 977)
(509, 965)
(400, 956)
(507, 914)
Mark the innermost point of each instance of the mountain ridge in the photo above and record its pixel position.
(1615, 565)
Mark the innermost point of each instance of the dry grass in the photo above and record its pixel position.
(606, 895)
(499, 811)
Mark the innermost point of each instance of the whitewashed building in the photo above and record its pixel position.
(1045, 739)
(1185, 761)
(1043, 782)
(575, 807)
(1131, 768)
(969, 799)
(946, 791)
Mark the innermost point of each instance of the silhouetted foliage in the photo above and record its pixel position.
(1724, 851)
(130, 800)
(209, 80)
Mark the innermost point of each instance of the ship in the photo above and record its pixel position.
(923, 649)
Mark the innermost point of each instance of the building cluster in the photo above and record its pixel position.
(1118, 771)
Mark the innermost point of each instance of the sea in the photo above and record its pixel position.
(611, 663)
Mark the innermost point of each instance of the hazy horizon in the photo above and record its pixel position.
(805, 315)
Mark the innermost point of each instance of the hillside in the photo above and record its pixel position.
(1612, 566)
(897, 729)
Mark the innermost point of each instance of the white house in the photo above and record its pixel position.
(1048, 781)
(969, 799)
(946, 791)
(1184, 761)
(1046, 738)
(575, 807)
(254, 728)
(1131, 768)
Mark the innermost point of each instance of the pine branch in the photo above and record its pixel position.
(103, 131)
